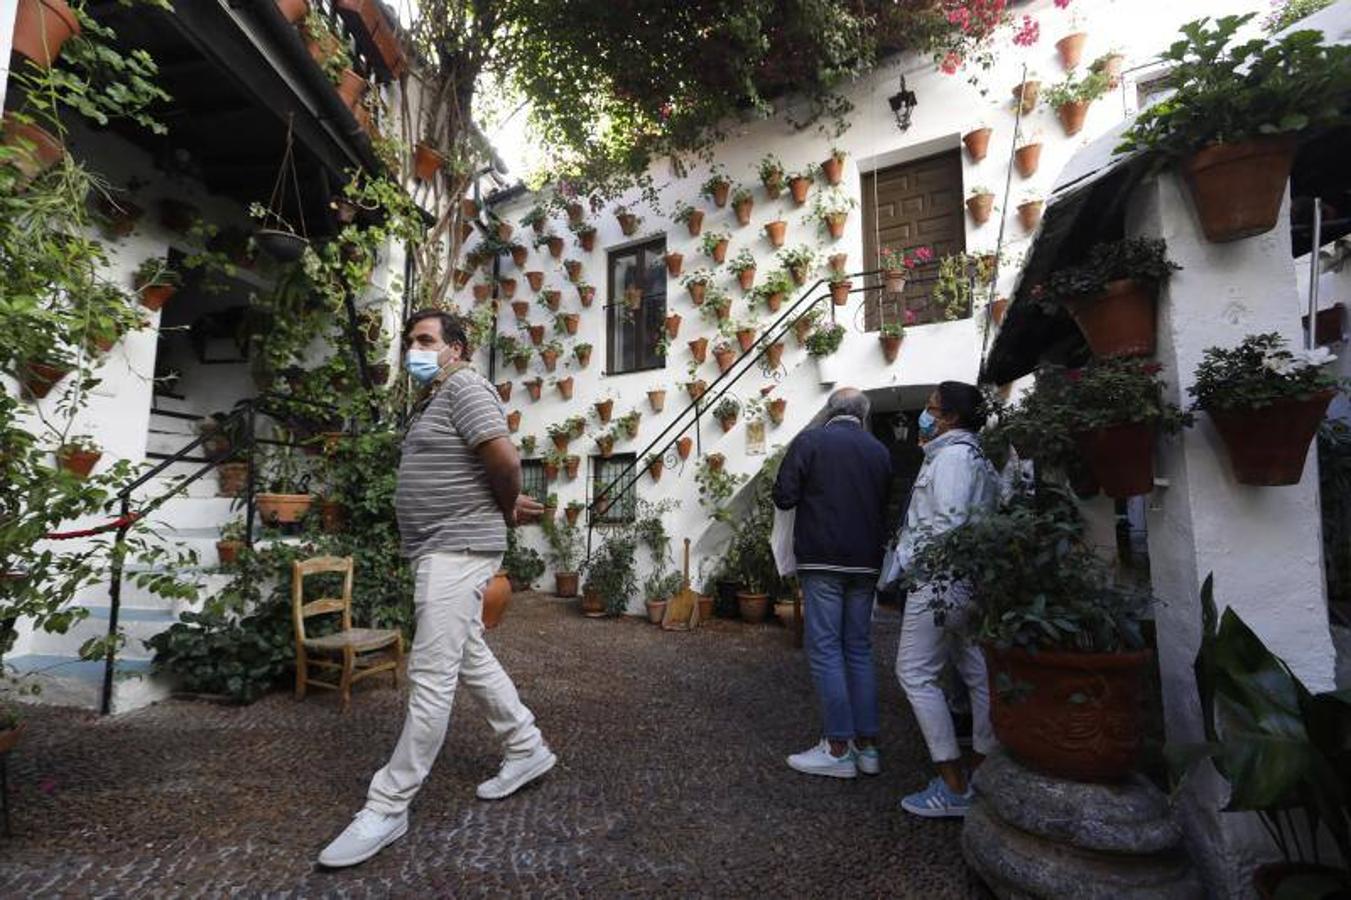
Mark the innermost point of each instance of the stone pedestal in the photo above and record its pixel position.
(1030, 835)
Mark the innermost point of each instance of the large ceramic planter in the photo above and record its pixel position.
(1078, 716)
(283, 509)
(1238, 188)
(1264, 454)
(496, 597)
(1118, 322)
(1121, 458)
(41, 27)
(752, 607)
(565, 584)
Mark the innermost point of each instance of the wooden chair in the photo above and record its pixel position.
(349, 643)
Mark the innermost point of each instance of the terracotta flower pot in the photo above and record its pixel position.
(571, 465)
(1268, 456)
(745, 337)
(427, 161)
(774, 354)
(504, 231)
(583, 357)
(283, 509)
(1120, 321)
(752, 607)
(572, 513)
(746, 278)
(837, 262)
(773, 185)
(550, 474)
(462, 277)
(536, 334)
(654, 469)
(41, 27)
(1026, 159)
(980, 207)
(233, 478)
(833, 169)
(514, 421)
(482, 292)
(697, 289)
(1078, 716)
(695, 223)
(1238, 188)
(593, 604)
(351, 88)
(727, 422)
(1029, 214)
(657, 400)
(1111, 67)
(553, 300)
(604, 409)
(521, 309)
(508, 286)
(776, 410)
(606, 445)
(536, 280)
(720, 251)
(628, 223)
(891, 347)
(227, 552)
(802, 327)
(696, 388)
(775, 231)
(839, 292)
(720, 192)
(522, 363)
(999, 309)
(1026, 94)
(656, 611)
(683, 446)
(293, 10)
(555, 245)
(798, 188)
(39, 378)
(894, 280)
(586, 295)
(565, 585)
(519, 255)
(36, 149)
(725, 358)
(332, 517)
(673, 325)
(835, 223)
(565, 387)
(705, 603)
(571, 322)
(76, 461)
(1071, 48)
(699, 349)
(977, 143)
(716, 461)
(496, 598)
(154, 296)
(1121, 458)
(1072, 116)
(674, 263)
(574, 268)
(743, 212)
(533, 387)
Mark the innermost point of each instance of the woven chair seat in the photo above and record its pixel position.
(359, 639)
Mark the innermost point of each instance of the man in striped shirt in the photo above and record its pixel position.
(459, 488)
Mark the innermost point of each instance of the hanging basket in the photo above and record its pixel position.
(1121, 458)
(1265, 455)
(1120, 321)
(283, 246)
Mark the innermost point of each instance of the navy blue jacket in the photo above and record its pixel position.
(837, 477)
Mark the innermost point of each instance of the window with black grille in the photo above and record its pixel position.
(533, 482)
(636, 310)
(620, 504)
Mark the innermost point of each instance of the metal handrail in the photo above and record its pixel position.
(777, 329)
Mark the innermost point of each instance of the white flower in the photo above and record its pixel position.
(1315, 358)
(1277, 361)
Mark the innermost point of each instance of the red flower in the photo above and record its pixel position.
(950, 63)
(1152, 368)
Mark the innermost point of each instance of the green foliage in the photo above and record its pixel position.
(716, 486)
(742, 194)
(1144, 259)
(1227, 92)
(954, 285)
(523, 564)
(1119, 391)
(727, 408)
(711, 239)
(743, 261)
(771, 169)
(750, 557)
(1280, 747)
(892, 330)
(1288, 12)
(825, 341)
(565, 545)
(613, 569)
(1077, 90)
(1036, 581)
(1258, 372)
(800, 257)
(832, 202)
(717, 179)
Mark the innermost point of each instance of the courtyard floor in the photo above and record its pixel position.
(671, 781)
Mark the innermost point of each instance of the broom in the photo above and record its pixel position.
(682, 612)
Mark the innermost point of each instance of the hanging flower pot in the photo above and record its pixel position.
(837, 262)
(774, 301)
(673, 326)
(1110, 65)
(695, 222)
(555, 246)
(504, 231)
(536, 334)
(696, 289)
(1071, 48)
(536, 280)
(674, 263)
(839, 292)
(696, 388)
(1121, 458)
(833, 169)
(1029, 214)
(351, 88)
(1026, 159)
(715, 462)
(799, 187)
(654, 468)
(1262, 454)
(802, 327)
(332, 517)
(1044, 729)
(574, 268)
(36, 150)
(514, 421)
(604, 409)
(1238, 187)
(999, 309)
(774, 354)
(571, 465)
(720, 191)
(427, 161)
(583, 355)
(683, 446)
(587, 240)
(977, 143)
(723, 309)
(521, 362)
(835, 223)
(775, 231)
(283, 246)
(628, 223)
(482, 292)
(578, 426)
(573, 513)
(462, 277)
(699, 349)
(534, 386)
(227, 552)
(746, 278)
(656, 398)
(894, 280)
(743, 211)
(745, 337)
(77, 460)
(504, 391)
(1026, 94)
(283, 509)
(1072, 116)
(154, 296)
(519, 255)
(553, 299)
(41, 28)
(521, 308)
(586, 295)
(891, 346)
(232, 478)
(980, 206)
(550, 471)
(606, 443)
(571, 322)
(565, 387)
(1118, 322)
(548, 357)
(728, 422)
(725, 357)
(468, 208)
(720, 251)
(776, 409)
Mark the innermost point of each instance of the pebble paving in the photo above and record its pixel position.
(670, 782)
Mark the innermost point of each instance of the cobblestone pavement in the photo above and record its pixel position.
(670, 781)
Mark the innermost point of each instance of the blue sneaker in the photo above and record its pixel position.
(938, 801)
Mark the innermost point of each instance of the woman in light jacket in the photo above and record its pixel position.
(955, 482)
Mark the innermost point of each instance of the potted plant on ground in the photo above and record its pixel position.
(714, 244)
(690, 217)
(1113, 293)
(1117, 412)
(523, 564)
(156, 282)
(659, 589)
(1236, 114)
(1072, 98)
(1063, 645)
(980, 204)
(564, 554)
(612, 574)
(1267, 402)
(832, 209)
(78, 455)
(716, 187)
(897, 265)
(743, 267)
(771, 175)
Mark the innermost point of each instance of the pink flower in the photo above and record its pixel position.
(910, 317)
(1061, 4)
(1028, 33)
(950, 63)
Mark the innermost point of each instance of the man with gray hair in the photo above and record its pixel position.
(836, 478)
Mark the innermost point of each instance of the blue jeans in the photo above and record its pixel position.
(838, 611)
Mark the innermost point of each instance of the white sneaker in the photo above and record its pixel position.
(868, 759)
(368, 834)
(517, 773)
(820, 761)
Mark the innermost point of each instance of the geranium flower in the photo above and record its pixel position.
(951, 63)
(1028, 33)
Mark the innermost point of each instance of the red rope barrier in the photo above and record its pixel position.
(119, 522)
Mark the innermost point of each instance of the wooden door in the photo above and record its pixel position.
(915, 204)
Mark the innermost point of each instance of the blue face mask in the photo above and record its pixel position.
(422, 365)
(928, 425)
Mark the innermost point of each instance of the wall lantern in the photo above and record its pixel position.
(903, 103)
